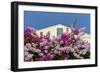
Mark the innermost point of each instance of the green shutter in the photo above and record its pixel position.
(59, 31)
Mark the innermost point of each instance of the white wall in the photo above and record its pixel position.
(53, 29)
(5, 35)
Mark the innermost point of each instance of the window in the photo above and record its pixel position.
(59, 31)
(67, 29)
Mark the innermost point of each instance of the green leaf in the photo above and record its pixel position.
(57, 57)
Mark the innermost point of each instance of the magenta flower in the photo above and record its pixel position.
(64, 37)
(46, 47)
(75, 31)
(29, 30)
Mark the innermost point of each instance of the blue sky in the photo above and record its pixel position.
(40, 20)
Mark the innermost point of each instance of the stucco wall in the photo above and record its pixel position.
(53, 29)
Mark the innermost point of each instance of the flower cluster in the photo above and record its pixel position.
(46, 47)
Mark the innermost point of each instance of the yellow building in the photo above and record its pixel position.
(86, 37)
(58, 29)
(54, 30)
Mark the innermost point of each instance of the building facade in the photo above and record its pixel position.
(58, 29)
(55, 30)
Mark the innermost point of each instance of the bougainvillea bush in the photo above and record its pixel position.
(63, 47)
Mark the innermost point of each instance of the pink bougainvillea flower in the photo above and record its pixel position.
(29, 29)
(75, 31)
(64, 37)
(47, 47)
